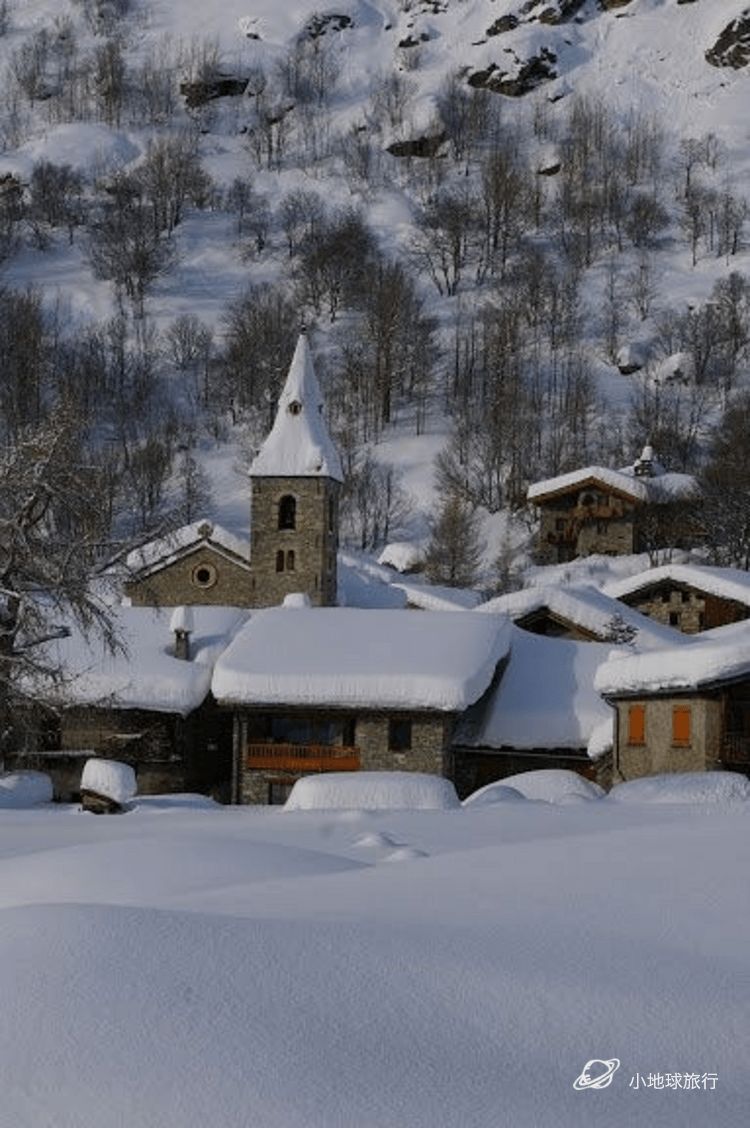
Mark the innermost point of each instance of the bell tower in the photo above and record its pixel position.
(296, 480)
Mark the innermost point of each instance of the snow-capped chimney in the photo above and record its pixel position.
(182, 626)
(644, 466)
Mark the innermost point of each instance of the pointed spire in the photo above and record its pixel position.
(299, 444)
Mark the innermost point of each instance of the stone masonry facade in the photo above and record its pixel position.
(585, 521)
(658, 751)
(203, 576)
(313, 540)
(686, 608)
(429, 751)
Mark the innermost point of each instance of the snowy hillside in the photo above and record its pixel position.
(486, 208)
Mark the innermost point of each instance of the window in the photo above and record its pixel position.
(399, 736)
(331, 515)
(637, 724)
(674, 618)
(685, 596)
(295, 407)
(280, 560)
(681, 725)
(278, 791)
(290, 560)
(204, 576)
(288, 512)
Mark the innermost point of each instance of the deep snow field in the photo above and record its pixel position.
(186, 965)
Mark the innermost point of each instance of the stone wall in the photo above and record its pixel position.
(686, 608)
(658, 753)
(313, 540)
(200, 577)
(473, 769)
(430, 742)
(583, 522)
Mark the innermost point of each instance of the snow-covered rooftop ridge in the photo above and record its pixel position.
(436, 597)
(587, 608)
(168, 547)
(299, 444)
(694, 666)
(143, 674)
(352, 658)
(727, 583)
(545, 699)
(662, 486)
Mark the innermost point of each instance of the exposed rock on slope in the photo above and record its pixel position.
(732, 48)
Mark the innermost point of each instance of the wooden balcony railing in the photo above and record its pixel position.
(302, 757)
(735, 749)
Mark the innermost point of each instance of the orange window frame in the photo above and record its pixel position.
(637, 724)
(681, 725)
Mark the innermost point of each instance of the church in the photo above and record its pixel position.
(295, 482)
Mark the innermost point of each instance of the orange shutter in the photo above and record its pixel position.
(681, 725)
(637, 724)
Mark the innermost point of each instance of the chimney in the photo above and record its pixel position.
(644, 466)
(182, 626)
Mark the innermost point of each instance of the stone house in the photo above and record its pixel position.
(614, 512)
(295, 482)
(344, 689)
(686, 710)
(687, 597)
(147, 704)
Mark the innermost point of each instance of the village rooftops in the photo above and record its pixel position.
(299, 444)
(725, 583)
(694, 666)
(660, 488)
(143, 672)
(587, 609)
(350, 658)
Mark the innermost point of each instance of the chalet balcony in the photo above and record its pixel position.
(302, 757)
(598, 512)
(735, 749)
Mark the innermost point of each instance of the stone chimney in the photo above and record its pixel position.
(182, 626)
(644, 466)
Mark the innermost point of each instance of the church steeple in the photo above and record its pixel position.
(299, 444)
(296, 480)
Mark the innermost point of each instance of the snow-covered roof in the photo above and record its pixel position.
(299, 444)
(697, 665)
(351, 658)
(586, 608)
(546, 697)
(144, 674)
(435, 597)
(726, 583)
(164, 550)
(662, 487)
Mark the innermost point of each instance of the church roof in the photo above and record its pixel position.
(299, 444)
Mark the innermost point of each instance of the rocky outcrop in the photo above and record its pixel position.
(610, 5)
(318, 25)
(199, 93)
(732, 48)
(417, 146)
(530, 74)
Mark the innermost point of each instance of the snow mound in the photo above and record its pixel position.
(685, 787)
(372, 791)
(491, 794)
(553, 785)
(375, 839)
(110, 778)
(24, 789)
(405, 854)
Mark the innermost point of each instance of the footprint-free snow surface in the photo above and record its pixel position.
(183, 966)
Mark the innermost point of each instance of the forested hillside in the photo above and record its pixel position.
(518, 232)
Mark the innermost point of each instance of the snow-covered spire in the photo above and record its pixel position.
(644, 466)
(299, 444)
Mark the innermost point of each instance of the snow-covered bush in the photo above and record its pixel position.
(553, 785)
(491, 794)
(25, 789)
(684, 787)
(109, 778)
(372, 791)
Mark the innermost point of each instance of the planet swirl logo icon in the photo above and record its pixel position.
(597, 1074)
